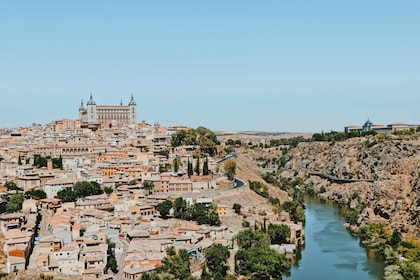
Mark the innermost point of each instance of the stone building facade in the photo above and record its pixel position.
(93, 115)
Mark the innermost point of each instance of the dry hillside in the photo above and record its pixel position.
(390, 164)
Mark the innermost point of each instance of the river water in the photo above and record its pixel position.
(331, 252)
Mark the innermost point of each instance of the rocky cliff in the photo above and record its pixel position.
(378, 175)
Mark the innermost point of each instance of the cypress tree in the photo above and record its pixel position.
(206, 167)
(189, 168)
(197, 167)
(176, 164)
(60, 162)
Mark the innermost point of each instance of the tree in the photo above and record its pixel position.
(230, 169)
(164, 153)
(278, 233)
(180, 209)
(318, 137)
(237, 207)
(230, 142)
(148, 187)
(189, 168)
(203, 214)
(60, 162)
(84, 188)
(339, 136)
(197, 167)
(261, 263)
(108, 190)
(57, 162)
(218, 276)
(177, 265)
(15, 203)
(176, 164)
(149, 276)
(410, 269)
(111, 245)
(11, 186)
(20, 160)
(162, 168)
(252, 238)
(80, 189)
(216, 258)
(352, 134)
(393, 272)
(40, 161)
(395, 239)
(112, 264)
(206, 167)
(67, 195)
(205, 275)
(200, 136)
(38, 194)
(164, 208)
(296, 211)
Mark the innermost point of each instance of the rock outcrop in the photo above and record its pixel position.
(382, 173)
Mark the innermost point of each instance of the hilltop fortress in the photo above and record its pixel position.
(94, 116)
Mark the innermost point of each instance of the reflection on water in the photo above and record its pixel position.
(330, 251)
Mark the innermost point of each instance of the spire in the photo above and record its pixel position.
(132, 102)
(120, 102)
(91, 102)
(82, 107)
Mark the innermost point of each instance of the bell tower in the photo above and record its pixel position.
(91, 110)
(132, 115)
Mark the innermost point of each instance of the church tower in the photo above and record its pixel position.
(82, 113)
(132, 116)
(91, 111)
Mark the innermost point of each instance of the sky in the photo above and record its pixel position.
(296, 66)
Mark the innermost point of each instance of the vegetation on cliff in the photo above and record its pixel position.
(401, 257)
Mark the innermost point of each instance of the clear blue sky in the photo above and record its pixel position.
(227, 65)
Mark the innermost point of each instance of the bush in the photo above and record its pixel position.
(237, 207)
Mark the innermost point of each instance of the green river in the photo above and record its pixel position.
(331, 252)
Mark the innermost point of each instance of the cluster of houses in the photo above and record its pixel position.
(79, 239)
(74, 238)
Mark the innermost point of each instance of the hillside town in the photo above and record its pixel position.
(90, 190)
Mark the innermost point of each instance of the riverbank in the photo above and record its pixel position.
(401, 258)
(330, 251)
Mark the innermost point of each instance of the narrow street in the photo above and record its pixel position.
(43, 231)
(120, 258)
